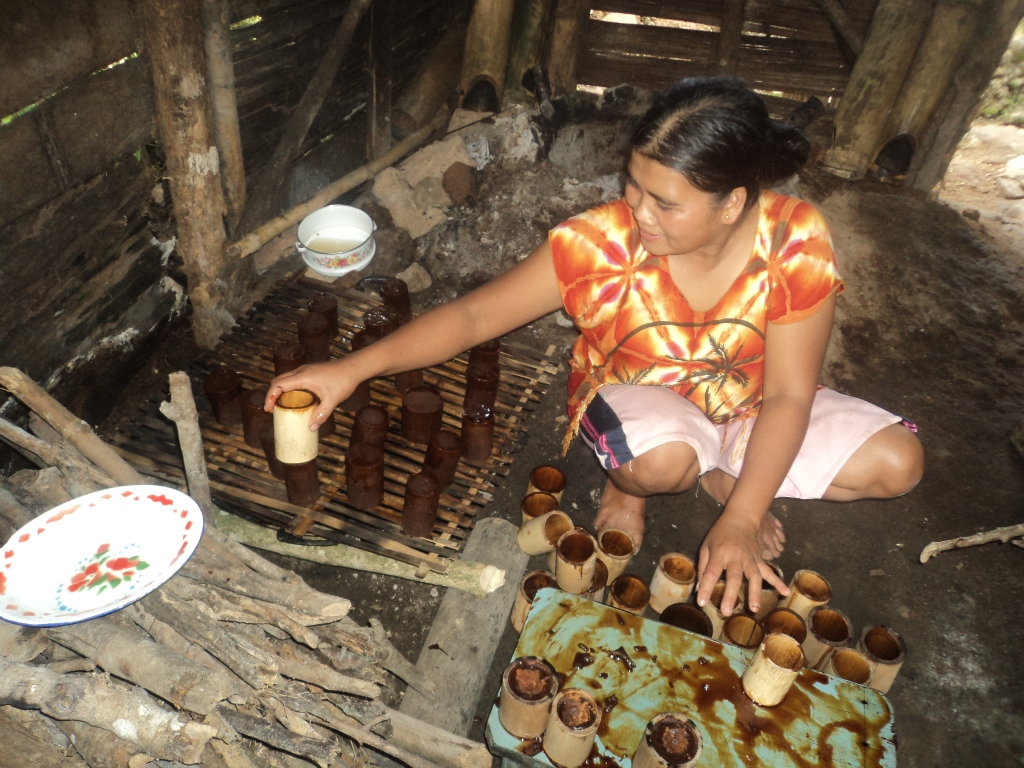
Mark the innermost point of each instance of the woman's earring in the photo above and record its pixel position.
(727, 217)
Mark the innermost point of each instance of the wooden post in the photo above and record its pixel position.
(193, 166)
(958, 107)
(378, 133)
(896, 30)
(529, 34)
(221, 70)
(263, 202)
(951, 28)
(729, 34)
(568, 35)
(432, 84)
(486, 55)
(843, 24)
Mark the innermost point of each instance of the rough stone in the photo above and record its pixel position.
(459, 182)
(430, 193)
(416, 277)
(1015, 167)
(395, 194)
(434, 159)
(1010, 188)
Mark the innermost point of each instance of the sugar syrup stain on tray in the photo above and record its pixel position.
(701, 682)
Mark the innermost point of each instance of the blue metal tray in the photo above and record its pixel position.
(641, 668)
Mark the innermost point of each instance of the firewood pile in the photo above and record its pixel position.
(233, 662)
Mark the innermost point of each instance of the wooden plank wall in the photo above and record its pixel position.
(786, 46)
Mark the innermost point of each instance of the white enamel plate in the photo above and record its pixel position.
(96, 554)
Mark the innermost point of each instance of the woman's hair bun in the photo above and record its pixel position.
(786, 151)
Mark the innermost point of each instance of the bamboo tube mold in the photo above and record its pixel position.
(688, 617)
(575, 558)
(599, 585)
(669, 740)
(673, 581)
(827, 630)
(885, 652)
(572, 727)
(541, 534)
(783, 621)
(536, 504)
(743, 631)
(630, 593)
(769, 595)
(772, 671)
(807, 591)
(616, 548)
(848, 664)
(294, 443)
(531, 584)
(547, 479)
(528, 687)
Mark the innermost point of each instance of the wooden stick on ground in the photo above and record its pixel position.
(182, 411)
(998, 534)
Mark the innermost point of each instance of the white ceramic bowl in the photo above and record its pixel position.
(336, 239)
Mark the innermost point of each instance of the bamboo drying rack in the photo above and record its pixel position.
(239, 477)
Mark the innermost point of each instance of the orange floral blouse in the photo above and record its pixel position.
(636, 326)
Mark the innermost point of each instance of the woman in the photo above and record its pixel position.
(705, 307)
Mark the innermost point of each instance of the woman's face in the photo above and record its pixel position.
(673, 215)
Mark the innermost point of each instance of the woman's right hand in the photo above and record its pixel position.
(329, 381)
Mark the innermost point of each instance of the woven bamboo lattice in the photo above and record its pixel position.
(241, 481)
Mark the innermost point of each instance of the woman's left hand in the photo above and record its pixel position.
(731, 547)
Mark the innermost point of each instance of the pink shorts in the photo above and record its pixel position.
(625, 421)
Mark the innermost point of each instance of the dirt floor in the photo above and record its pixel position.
(930, 327)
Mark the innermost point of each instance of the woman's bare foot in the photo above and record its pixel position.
(770, 537)
(622, 511)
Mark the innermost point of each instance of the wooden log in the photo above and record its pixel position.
(381, 69)
(157, 669)
(22, 747)
(267, 232)
(70, 427)
(568, 39)
(729, 33)
(175, 39)
(11, 510)
(486, 55)
(895, 33)
(21, 644)
(840, 19)
(433, 83)
(1001, 535)
(182, 411)
(959, 105)
(263, 202)
(321, 752)
(49, 435)
(131, 714)
(44, 487)
(949, 32)
(297, 664)
(437, 745)
(220, 69)
(77, 476)
(478, 579)
(530, 27)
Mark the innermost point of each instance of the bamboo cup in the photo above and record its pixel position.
(267, 443)
(616, 548)
(406, 380)
(743, 631)
(673, 581)
(827, 630)
(531, 584)
(886, 651)
(572, 727)
(302, 483)
(527, 688)
(419, 512)
(769, 595)
(315, 337)
(395, 293)
(537, 504)
(485, 355)
(477, 432)
(364, 475)
(422, 408)
(224, 392)
(599, 585)
(848, 664)
(288, 356)
(547, 479)
(326, 304)
(783, 621)
(714, 609)
(670, 739)
(807, 590)
(442, 459)
(380, 320)
(371, 425)
(630, 593)
(481, 387)
(253, 416)
(541, 534)
(294, 443)
(575, 556)
(772, 671)
(688, 617)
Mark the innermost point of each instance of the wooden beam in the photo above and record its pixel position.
(843, 25)
(182, 107)
(729, 33)
(895, 33)
(264, 201)
(378, 131)
(221, 70)
(432, 85)
(568, 37)
(529, 36)
(485, 58)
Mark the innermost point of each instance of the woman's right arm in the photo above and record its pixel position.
(526, 292)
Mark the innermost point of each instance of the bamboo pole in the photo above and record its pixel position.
(486, 55)
(262, 201)
(193, 163)
(477, 579)
(221, 70)
(267, 232)
(529, 35)
(378, 130)
(843, 24)
(568, 34)
(432, 84)
(730, 30)
(896, 30)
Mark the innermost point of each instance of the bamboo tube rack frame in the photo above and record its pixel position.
(241, 482)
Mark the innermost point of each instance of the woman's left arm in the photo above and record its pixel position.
(794, 353)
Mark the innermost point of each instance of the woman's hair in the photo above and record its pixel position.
(717, 133)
